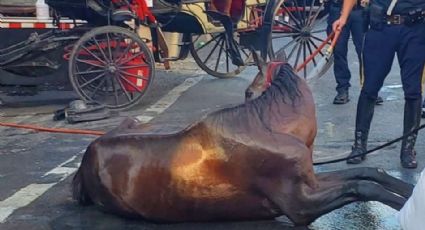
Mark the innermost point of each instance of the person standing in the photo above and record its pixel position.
(355, 27)
(395, 27)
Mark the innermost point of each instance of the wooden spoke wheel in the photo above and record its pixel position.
(210, 53)
(299, 28)
(111, 66)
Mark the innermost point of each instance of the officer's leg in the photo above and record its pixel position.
(357, 32)
(341, 70)
(378, 55)
(411, 55)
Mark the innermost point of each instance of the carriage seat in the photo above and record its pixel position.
(171, 6)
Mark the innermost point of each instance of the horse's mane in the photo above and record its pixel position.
(283, 90)
(285, 85)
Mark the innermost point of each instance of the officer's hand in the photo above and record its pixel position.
(338, 24)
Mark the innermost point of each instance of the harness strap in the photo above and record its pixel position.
(271, 67)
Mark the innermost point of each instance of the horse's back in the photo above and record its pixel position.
(191, 177)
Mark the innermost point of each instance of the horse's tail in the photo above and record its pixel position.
(79, 189)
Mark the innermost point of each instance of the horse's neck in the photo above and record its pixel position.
(239, 120)
(281, 115)
(270, 113)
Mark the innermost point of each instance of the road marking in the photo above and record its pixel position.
(22, 198)
(169, 99)
(28, 194)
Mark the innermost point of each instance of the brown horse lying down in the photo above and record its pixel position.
(252, 161)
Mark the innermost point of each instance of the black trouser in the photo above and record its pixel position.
(355, 28)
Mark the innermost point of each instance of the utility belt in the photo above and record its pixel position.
(378, 17)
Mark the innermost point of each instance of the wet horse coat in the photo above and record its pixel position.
(252, 161)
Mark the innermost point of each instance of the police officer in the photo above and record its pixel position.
(355, 27)
(396, 27)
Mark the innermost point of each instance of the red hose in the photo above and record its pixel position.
(53, 130)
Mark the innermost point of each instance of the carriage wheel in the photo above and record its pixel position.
(210, 53)
(299, 28)
(111, 66)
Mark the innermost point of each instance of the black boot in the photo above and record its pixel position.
(379, 100)
(342, 97)
(412, 118)
(232, 46)
(365, 109)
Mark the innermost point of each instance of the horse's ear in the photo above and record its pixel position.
(259, 62)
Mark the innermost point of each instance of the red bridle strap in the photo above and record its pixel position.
(271, 67)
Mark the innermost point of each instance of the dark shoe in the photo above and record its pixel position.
(423, 110)
(359, 147)
(412, 114)
(379, 100)
(408, 160)
(342, 98)
(355, 152)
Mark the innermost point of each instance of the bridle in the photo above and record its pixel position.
(271, 67)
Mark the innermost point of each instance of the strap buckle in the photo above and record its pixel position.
(395, 19)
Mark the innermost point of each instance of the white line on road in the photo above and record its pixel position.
(28, 194)
(169, 99)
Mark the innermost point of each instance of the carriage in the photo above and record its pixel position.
(112, 61)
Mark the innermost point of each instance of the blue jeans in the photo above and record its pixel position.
(355, 27)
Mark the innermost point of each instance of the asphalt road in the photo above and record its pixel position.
(36, 168)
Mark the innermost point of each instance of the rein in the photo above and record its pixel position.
(271, 67)
(372, 150)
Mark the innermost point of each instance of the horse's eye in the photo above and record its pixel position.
(249, 94)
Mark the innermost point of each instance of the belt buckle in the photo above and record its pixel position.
(397, 19)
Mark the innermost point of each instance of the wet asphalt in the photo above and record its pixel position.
(26, 157)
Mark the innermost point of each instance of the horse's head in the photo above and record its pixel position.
(263, 79)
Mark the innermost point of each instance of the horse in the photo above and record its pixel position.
(263, 79)
(247, 162)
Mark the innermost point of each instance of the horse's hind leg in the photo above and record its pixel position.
(306, 204)
(377, 175)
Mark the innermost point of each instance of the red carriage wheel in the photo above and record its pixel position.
(111, 66)
(299, 29)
